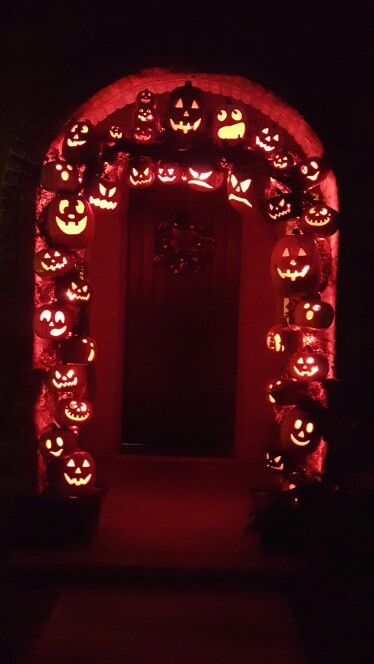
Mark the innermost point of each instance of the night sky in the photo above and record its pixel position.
(316, 58)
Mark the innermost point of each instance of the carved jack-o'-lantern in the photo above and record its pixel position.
(79, 350)
(143, 133)
(204, 177)
(70, 222)
(281, 338)
(115, 134)
(60, 176)
(268, 140)
(168, 172)
(65, 378)
(282, 161)
(77, 474)
(274, 459)
(280, 208)
(142, 172)
(313, 313)
(72, 412)
(185, 112)
(299, 431)
(146, 98)
(285, 391)
(78, 142)
(56, 443)
(311, 171)
(53, 321)
(145, 114)
(53, 263)
(296, 265)
(308, 365)
(75, 290)
(104, 195)
(318, 218)
(229, 125)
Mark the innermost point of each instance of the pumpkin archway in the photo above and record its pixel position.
(110, 154)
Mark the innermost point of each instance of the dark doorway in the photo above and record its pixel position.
(181, 331)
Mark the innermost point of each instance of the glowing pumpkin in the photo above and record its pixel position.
(60, 176)
(146, 98)
(274, 459)
(67, 378)
(282, 161)
(313, 313)
(79, 350)
(204, 177)
(55, 443)
(75, 290)
(308, 365)
(72, 412)
(78, 142)
(104, 195)
(114, 135)
(281, 338)
(53, 263)
(185, 113)
(299, 431)
(296, 267)
(168, 172)
(70, 222)
(229, 127)
(77, 474)
(311, 171)
(143, 134)
(142, 172)
(320, 219)
(246, 181)
(268, 140)
(53, 321)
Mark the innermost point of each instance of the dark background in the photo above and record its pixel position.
(316, 57)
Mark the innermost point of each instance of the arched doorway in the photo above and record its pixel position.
(257, 307)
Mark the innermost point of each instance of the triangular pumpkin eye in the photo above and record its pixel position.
(178, 104)
(244, 186)
(146, 171)
(285, 253)
(86, 464)
(195, 104)
(301, 252)
(111, 192)
(206, 175)
(194, 173)
(102, 189)
(234, 181)
(70, 463)
(281, 202)
(135, 172)
(277, 459)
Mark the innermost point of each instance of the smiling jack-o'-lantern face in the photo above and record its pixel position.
(143, 133)
(204, 177)
(60, 176)
(79, 350)
(104, 195)
(53, 263)
(115, 134)
(274, 459)
(53, 322)
(229, 124)
(282, 338)
(296, 265)
(280, 208)
(77, 141)
(311, 171)
(185, 114)
(145, 114)
(299, 431)
(56, 443)
(308, 365)
(319, 219)
(76, 290)
(168, 172)
(282, 161)
(313, 313)
(65, 378)
(142, 173)
(146, 98)
(77, 474)
(70, 222)
(285, 391)
(73, 412)
(268, 140)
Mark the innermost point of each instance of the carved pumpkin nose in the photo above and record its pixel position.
(71, 216)
(293, 262)
(78, 471)
(185, 114)
(301, 434)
